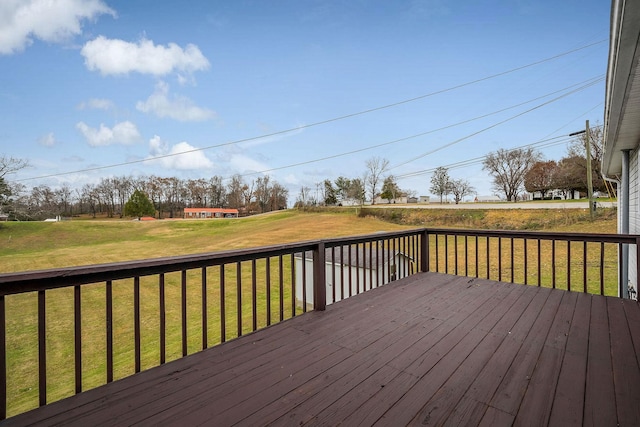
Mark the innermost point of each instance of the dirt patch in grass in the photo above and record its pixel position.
(500, 219)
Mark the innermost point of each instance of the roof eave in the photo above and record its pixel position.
(622, 99)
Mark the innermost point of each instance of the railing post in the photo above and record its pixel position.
(424, 251)
(319, 278)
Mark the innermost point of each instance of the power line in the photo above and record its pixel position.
(551, 142)
(323, 122)
(584, 84)
(442, 147)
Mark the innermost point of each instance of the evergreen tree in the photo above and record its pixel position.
(139, 205)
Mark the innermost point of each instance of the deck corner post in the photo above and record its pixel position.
(424, 251)
(319, 278)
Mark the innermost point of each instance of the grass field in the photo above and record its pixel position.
(31, 246)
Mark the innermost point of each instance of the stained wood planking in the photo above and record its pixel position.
(429, 349)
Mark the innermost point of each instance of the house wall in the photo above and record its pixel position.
(634, 211)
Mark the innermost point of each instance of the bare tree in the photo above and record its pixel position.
(460, 188)
(376, 167)
(11, 164)
(440, 182)
(216, 192)
(262, 193)
(235, 190)
(577, 157)
(508, 169)
(303, 197)
(8, 165)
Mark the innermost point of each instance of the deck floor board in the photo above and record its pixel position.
(431, 349)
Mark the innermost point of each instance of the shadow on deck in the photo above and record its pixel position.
(428, 349)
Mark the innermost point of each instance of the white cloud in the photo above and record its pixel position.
(48, 140)
(22, 21)
(244, 164)
(97, 104)
(175, 107)
(191, 159)
(118, 57)
(122, 133)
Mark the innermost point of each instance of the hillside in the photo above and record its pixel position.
(40, 245)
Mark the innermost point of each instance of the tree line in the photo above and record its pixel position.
(515, 171)
(374, 182)
(169, 196)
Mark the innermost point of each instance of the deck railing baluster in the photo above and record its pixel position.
(349, 269)
(601, 268)
(568, 265)
(488, 258)
(476, 238)
(436, 235)
(455, 253)
(223, 320)
(539, 263)
(77, 321)
(254, 296)
(136, 323)
(526, 261)
(446, 253)
(333, 274)
(342, 294)
(357, 265)
(205, 322)
(499, 259)
(42, 349)
(370, 265)
(466, 255)
(184, 311)
(268, 285)
(304, 282)
(163, 319)
(281, 285)
(293, 283)
(109, 329)
(584, 267)
(553, 263)
(512, 262)
(239, 297)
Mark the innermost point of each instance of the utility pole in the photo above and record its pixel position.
(592, 209)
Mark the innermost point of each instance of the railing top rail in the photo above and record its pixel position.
(12, 283)
(550, 235)
(28, 281)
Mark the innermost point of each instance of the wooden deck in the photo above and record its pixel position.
(431, 349)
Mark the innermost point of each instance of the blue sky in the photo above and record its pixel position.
(89, 84)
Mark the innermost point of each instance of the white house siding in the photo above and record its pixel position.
(634, 212)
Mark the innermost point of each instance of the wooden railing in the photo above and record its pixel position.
(66, 330)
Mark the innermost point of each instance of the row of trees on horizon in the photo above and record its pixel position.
(513, 172)
(169, 196)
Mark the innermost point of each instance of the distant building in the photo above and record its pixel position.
(486, 199)
(424, 199)
(209, 213)
(380, 201)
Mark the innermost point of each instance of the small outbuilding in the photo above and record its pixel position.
(209, 213)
